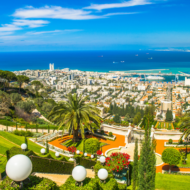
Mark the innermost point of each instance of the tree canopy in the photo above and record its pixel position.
(22, 79)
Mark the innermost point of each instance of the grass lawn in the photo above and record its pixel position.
(172, 182)
(187, 164)
(10, 141)
(79, 145)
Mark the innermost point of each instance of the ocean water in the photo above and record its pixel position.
(101, 61)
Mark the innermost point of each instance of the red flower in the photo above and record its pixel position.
(99, 152)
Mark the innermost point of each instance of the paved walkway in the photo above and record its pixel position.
(60, 179)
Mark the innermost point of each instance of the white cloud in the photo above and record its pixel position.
(30, 23)
(118, 5)
(53, 31)
(121, 13)
(172, 49)
(55, 12)
(9, 27)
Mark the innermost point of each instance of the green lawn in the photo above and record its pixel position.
(172, 182)
(18, 140)
(79, 145)
(187, 164)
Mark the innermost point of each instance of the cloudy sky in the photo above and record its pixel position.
(44, 25)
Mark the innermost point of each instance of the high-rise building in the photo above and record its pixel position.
(51, 67)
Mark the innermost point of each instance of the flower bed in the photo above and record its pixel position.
(118, 161)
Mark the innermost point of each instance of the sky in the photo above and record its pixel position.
(44, 25)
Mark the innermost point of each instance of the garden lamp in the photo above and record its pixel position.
(102, 159)
(43, 151)
(103, 174)
(23, 146)
(79, 174)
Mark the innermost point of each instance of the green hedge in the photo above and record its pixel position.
(36, 183)
(88, 184)
(87, 163)
(46, 165)
(111, 184)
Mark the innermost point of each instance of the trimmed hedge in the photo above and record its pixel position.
(88, 184)
(44, 163)
(87, 163)
(36, 183)
(47, 165)
(92, 145)
(111, 184)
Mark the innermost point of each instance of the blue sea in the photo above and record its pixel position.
(101, 61)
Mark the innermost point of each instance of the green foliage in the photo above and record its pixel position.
(88, 184)
(46, 165)
(171, 156)
(15, 97)
(36, 183)
(23, 133)
(111, 184)
(117, 118)
(146, 167)
(22, 79)
(10, 76)
(169, 115)
(83, 161)
(92, 145)
(39, 101)
(135, 166)
(27, 106)
(110, 134)
(170, 141)
(180, 141)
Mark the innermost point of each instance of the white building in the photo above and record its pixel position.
(51, 67)
(187, 81)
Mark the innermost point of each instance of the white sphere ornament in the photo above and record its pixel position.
(57, 154)
(102, 159)
(78, 151)
(23, 146)
(43, 150)
(85, 154)
(103, 174)
(79, 173)
(19, 167)
(92, 156)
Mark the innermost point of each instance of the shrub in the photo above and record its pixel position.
(36, 183)
(26, 106)
(92, 145)
(99, 152)
(102, 132)
(171, 156)
(117, 161)
(15, 97)
(98, 166)
(71, 149)
(111, 184)
(23, 133)
(110, 134)
(83, 161)
(170, 141)
(180, 141)
(88, 184)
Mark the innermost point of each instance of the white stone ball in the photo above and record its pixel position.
(103, 174)
(78, 151)
(102, 159)
(23, 146)
(92, 156)
(19, 167)
(85, 154)
(79, 173)
(57, 154)
(43, 150)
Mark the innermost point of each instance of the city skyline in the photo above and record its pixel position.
(95, 25)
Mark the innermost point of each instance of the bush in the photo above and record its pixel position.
(26, 106)
(88, 184)
(23, 133)
(110, 134)
(170, 141)
(36, 183)
(111, 184)
(46, 165)
(180, 141)
(92, 145)
(15, 97)
(87, 163)
(98, 166)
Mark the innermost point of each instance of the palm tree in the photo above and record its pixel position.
(75, 115)
(184, 124)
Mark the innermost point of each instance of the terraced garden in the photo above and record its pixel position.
(164, 125)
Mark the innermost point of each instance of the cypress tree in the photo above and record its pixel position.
(147, 169)
(36, 128)
(26, 142)
(47, 147)
(48, 128)
(135, 166)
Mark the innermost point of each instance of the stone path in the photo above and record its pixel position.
(60, 179)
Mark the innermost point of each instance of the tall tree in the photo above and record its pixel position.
(147, 169)
(37, 85)
(75, 115)
(22, 79)
(184, 125)
(135, 166)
